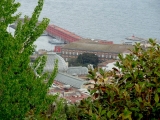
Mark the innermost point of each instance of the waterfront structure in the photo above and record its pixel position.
(103, 51)
(62, 34)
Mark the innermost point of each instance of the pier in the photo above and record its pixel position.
(55, 32)
(62, 34)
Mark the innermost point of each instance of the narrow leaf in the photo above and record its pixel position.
(156, 98)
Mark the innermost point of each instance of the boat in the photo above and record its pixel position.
(55, 41)
(133, 39)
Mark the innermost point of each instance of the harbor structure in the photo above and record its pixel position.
(62, 34)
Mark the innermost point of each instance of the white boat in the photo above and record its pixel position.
(132, 40)
(55, 41)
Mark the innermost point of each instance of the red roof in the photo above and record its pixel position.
(64, 31)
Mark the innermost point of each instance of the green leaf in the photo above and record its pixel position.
(135, 109)
(158, 74)
(129, 85)
(156, 98)
(109, 113)
(140, 116)
(150, 85)
(142, 84)
(90, 111)
(137, 88)
(103, 112)
(140, 99)
(158, 105)
(127, 113)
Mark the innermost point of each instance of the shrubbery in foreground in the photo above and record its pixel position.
(135, 92)
(23, 92)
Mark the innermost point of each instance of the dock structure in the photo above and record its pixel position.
(62, 34)
(55, 31)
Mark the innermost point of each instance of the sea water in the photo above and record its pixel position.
(101, 19)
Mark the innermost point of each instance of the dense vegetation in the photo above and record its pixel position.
(134, 93)
(84, 60)
(23, 93)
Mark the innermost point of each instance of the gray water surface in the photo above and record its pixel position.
(101, 19)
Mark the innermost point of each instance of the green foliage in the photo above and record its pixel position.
(71, 112)
(23, 92)
(134, 93)
(88, 58)
(59, 110)
(73, 62)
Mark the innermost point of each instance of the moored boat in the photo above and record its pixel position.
(55, 41)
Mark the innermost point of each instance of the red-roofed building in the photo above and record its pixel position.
(62, 34)
(69, 93)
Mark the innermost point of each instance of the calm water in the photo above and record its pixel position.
(102, 19)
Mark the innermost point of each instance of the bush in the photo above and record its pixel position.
(135, 91)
